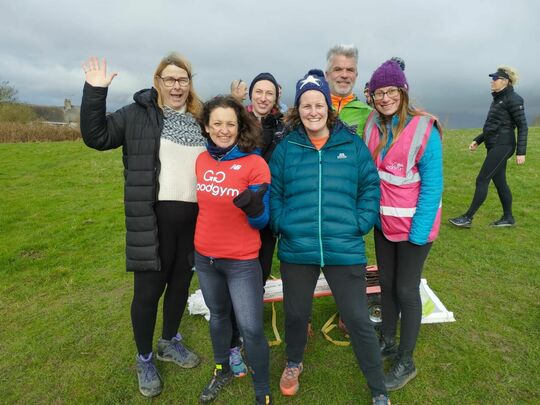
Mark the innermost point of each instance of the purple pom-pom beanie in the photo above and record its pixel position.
(390, 73)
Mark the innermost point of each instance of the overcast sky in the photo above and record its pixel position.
(449, 47)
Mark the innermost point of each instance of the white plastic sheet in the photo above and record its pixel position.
(433, 310)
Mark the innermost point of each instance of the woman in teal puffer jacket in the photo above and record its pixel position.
(324, 198)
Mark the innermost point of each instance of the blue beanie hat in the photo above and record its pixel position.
(264, 76)
(313, 80)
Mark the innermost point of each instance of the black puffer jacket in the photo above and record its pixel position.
(137, 128)
(272, 133)
(505, 114)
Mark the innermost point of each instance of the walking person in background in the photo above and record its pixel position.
(505, 114)
(406, 146)
(161, 139)
(324, 198)
(341, 73)
(233, 195)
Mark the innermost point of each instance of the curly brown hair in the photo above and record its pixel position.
(249, 130)
(292, 118)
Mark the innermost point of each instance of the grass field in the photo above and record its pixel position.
(65, 335)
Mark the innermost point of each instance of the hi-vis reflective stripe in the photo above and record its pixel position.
(369, 127)
(398, 212)
(418, 137)
(398, 180)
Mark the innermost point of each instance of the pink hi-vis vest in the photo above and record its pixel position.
(400, 179)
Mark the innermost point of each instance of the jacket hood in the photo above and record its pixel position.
(146, 97)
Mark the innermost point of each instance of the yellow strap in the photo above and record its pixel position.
(277, 341)
(327, 327)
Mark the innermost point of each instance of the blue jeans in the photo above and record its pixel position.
(226, 281)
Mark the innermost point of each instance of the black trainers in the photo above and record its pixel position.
(504, 221)
(463, 221)
(263, 399)
(401, 373)
(388, 348)
(219, 380)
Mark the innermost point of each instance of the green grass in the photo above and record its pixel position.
(65, 335)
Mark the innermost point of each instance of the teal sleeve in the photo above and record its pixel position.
(430, 168)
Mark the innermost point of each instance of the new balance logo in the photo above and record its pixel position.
(236, 167)
(342, 156)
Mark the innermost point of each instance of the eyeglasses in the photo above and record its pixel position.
(495, 78)
(170, 81)
(391, 93)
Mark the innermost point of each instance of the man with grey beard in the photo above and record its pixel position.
(341, 74)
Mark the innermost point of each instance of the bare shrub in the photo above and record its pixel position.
(36, 132)
(14, 112)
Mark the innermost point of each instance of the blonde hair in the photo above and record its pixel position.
(512, 74)
(193, 103)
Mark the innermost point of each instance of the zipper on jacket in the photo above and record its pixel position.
(320, 208)
(157, 170)
(320, 194)
(157, 164)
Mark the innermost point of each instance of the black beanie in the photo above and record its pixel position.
(264, 76)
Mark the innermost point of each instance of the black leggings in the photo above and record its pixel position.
(266, 253)
(494, 168)
(176, 228)
(348, 285)
(400, 267)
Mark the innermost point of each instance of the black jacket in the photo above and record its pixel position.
(505, 114)
(137, 128)
(272, 133)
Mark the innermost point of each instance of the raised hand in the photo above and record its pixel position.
(96, 74)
